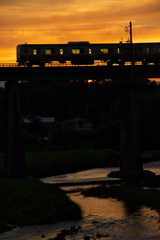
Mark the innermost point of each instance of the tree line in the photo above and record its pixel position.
(96, 101)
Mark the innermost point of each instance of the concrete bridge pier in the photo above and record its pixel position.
(129, 131)
(14, 162)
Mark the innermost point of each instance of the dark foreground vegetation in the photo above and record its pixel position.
(29, 201)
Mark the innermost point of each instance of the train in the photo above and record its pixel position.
(84, 52)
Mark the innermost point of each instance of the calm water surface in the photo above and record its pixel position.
(94, 174)
(108, 217)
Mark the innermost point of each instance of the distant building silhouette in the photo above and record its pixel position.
(77, 124)
(47, 122)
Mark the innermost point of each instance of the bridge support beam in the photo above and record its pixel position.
(129, 131)
(14, 163)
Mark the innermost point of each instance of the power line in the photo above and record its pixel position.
(108, 30)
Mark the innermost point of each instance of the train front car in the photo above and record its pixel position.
(30, 54)
(18, 55)
(40, 54)
(76, 53)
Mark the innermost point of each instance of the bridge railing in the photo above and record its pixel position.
(53, 64)
(8, 65)
(67, 64)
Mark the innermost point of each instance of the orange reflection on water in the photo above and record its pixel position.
(106, 207)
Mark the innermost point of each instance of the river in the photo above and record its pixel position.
(107, 217)
(93, 175)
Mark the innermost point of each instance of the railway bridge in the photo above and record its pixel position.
(126, 75)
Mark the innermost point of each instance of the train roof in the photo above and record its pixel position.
(85, 43)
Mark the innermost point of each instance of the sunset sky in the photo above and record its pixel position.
(60, 21)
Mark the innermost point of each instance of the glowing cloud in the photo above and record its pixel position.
(61, 21)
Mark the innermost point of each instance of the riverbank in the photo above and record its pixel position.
(93, 173)
(30, 202)
(50, 163)
(106, 219)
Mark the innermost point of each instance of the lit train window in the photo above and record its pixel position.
(48, 51)
(61, 51)
(107, 50)
(76, 50)
(118, 50)
(34, 51)
(104, 50)
(90, 51)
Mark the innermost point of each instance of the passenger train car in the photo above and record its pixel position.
(80, 53)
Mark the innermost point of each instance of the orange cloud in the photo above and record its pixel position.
(73, 20)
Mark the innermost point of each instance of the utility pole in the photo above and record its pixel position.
(130, 32)
(132, 53)
(129, 29)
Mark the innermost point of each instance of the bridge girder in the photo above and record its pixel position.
(78, 73)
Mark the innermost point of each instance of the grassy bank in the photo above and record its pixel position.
(48, 163)
(41, 164)
(29, 201)
(133, 196)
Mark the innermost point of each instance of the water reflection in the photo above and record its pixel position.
(97, 174)
(132, 208)
(118, 219)
(109, 217)
(91, 206)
